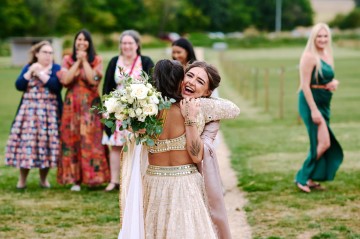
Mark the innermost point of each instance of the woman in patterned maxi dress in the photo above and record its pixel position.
(83, 157)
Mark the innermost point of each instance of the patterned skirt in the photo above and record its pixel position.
(175, 204)
(34, 136)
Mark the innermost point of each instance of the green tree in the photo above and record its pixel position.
(240, 16)
(351, 20)
(357, 3)
(216, 10)
(188, 18)
(16, 18)
(129, 14)
(294, 13)
(47, 14)
(93, 15)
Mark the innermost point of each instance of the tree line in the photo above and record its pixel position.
(58, 17)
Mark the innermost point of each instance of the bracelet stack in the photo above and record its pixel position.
(189, 122)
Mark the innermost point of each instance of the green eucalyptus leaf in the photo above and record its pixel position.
(150, 142)
(109, 123)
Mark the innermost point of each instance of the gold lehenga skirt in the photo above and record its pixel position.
(175, 204)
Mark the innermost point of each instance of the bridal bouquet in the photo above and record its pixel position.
(136, 106)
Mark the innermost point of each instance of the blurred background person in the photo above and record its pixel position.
(183, 51)
(132, 63)
(34, 137)
(317, 83)
(83, 157)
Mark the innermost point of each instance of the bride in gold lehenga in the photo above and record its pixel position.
(174, 201)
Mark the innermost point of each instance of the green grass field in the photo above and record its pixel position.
(266, 153)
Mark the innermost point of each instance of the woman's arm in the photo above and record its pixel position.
(68, 72)
(23, 79)
(53, 82)
(92, 74)
(307, 64)
(218, 108)
(194, 145)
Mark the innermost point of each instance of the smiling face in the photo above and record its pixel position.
(45, 55)
(179, 54)
(81, 43)
(128, 46)
(195, 84)
(322, 39)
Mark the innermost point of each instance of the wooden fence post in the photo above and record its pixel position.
(266, 89)
(255, 90)
(281, 94)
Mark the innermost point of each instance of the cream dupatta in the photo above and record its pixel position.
(134, 164)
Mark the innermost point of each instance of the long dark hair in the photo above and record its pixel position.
(90, 51)
(167, 76)
(185, 44)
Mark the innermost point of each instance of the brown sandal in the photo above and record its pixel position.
(316, 186)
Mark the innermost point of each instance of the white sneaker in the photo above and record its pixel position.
(75, 188)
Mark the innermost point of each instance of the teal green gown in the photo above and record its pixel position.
(325, 168)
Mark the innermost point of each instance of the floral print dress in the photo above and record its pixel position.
(83, 157)
(34, 137)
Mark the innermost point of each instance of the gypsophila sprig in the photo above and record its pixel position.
(136, 105)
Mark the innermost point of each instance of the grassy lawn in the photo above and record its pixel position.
(266, 153)
(58, 212)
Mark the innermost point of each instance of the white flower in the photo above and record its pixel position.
(130, 99)
(132, 113)
(123, 99)
(120, 116)
(139, 91)
(154, 99)
(150, 109)
(120, 108)
(111, 104)
(138, 111)
(136, 102)
(142, 118)
(142, 103)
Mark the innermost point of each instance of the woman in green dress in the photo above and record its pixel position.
(317, 83)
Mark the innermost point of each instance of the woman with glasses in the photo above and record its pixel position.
(132, 63)
(34, 137)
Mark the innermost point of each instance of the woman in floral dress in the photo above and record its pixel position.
(83, 156)
(34, 137)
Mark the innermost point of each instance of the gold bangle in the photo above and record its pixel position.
(188, 122)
